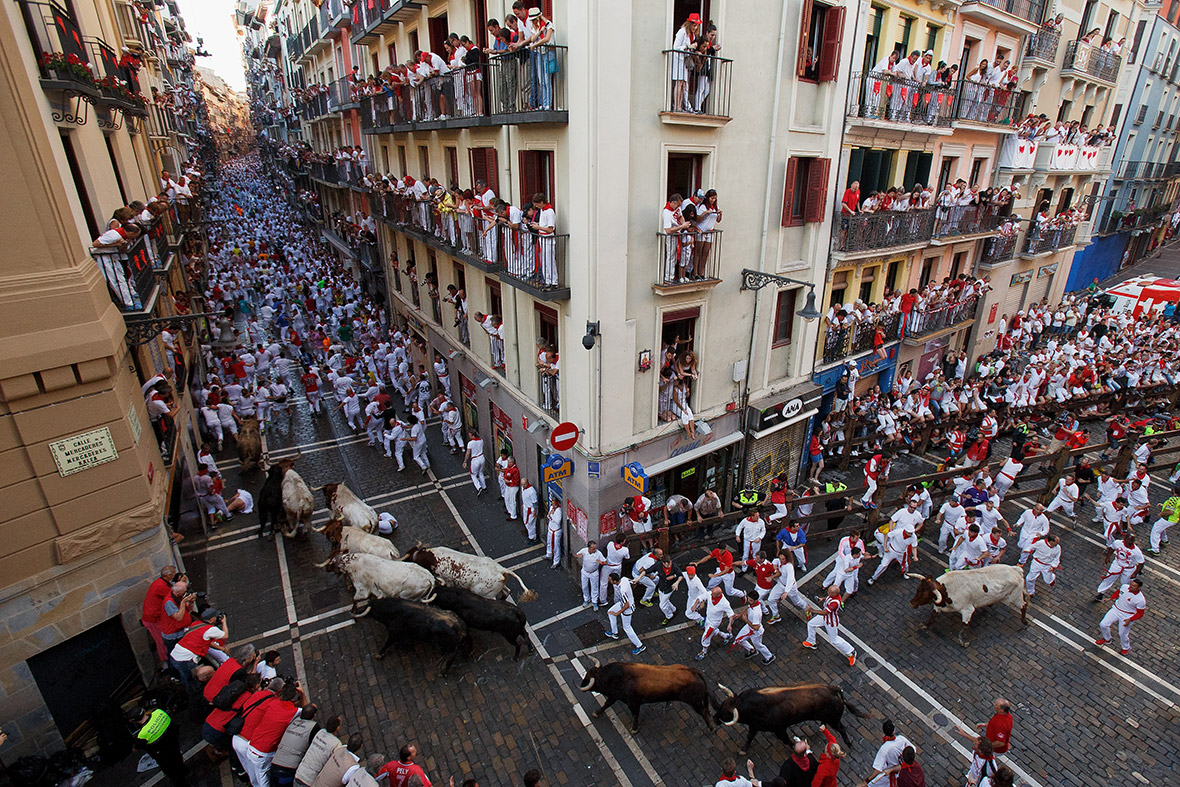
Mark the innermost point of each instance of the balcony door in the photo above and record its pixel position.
(684, 173)
(438, 29)
(682, 8)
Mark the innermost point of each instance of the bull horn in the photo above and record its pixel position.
(594, 661)
(589, 685)
(735, 718)
(368, 609)
(725, 690)
(326, 562)
(914, 576)
(319, 529)
(298, 453)
(937, 596)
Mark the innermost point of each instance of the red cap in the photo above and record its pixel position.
(691, 571)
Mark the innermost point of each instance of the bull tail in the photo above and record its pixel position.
(855, 711)
(528, 595)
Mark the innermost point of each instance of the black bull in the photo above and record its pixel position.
(639, 684)
(775, 709)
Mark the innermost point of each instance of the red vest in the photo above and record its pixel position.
(195, 642)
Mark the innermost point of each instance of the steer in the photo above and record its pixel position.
(353, 539)
(775, 709)
(481, 575)
(298, 503)
(640, 684)
(375, 577)
(966, 591)
(345, 505)
(414, 622)
(249, 445)
(485, 614)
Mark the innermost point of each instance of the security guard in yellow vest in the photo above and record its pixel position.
(156, 734)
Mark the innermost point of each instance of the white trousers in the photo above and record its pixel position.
(848, 580)
(477, 479)
(888, 558)
(748, 639)
(530, 524)
(1042, 571)
(419, 451)
(750, 551)
(617, 616)
(1111, 618)
(726, 581)
(778, 591)
(590, 587)
(1159, 532)
(604, 581)
(1116, 576)
(650, 584)
(691, 613)
(870, 490)
(666, 605)
(833, 632)
(510, 500)
(553, 546)
(1061, 504)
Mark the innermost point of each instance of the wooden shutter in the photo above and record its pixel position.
(804, 32)
(789, 190)
(453, 166)
(530, 176)
(829, 54)
(492, 175)
(817, 190)
(484, 167)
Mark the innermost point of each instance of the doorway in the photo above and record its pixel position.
(684, 173)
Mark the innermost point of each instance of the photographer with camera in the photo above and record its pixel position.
(208, 638)
(176, 612)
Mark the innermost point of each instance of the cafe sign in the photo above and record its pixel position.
(84, 451)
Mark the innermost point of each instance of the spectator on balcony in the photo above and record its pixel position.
(678, 249)
(850, 202)
(543, 57)
(120, 229)
(542, 224)
(680, 407)
(708, 213)
(706, 48)
(682, 47)
(507, 61)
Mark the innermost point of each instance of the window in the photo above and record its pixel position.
(1044, 200)
(1087, 116)
(1111, 21)
(1159, 119)
(484, 166)
(392, 49)
(784, 317)
(932, 32)
(917, 168)
(480, 9)
(684, 173)
(891, 277)
(957, 263)
(115, 166)
(1142, 114)
(866, 284)
(839, 286)
(805, 190)
(424, 162)
(79, 183)
(977, 172)
(547, 327)
(536, 175)
(452, 166)
(928, 267)
(401, 158)
(439, 30)
(415, 46)
(821, 32)
(944, 172)
(873, 37)
(495, 301)
(376, 63)
(1063, 113)
(679, 330)
(1114, 116)
(460, 277)
(903, 42)
(873, 167)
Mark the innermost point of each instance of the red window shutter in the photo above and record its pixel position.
(479, 165)
(789, 190)
(530, 176)
(817, 190)
(492, 175)
(829, 57)
(804, 32)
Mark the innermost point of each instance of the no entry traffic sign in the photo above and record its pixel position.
(564, 436)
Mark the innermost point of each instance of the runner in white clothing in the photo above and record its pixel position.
(591, 561)
(622, 611)
(553, 537)
(1066, 497)
(1129, 605)
(784, 585)
(749, 533)
(696, 593)
(829, 620)
(1128, 562)
(715, 608)
(750, 637)
(528, 506)
(1046, 562)
(616, 552)
(1033, 524)
(473, 461)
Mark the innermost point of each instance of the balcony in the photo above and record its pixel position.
(341, 95)
(687, 262)
(1047, 241)
(696, 88)
(1086, 61)
(998, 250)
(1118, 221)
(315, 107)
(333, 173)
(63, 62)
(1141, 170)
(1017, 16)
(873, 232)
(129, 275)
(374, 18)
(1042, 46)
(136, 33)
(505, 92)
(955, 223)
(1059, 157)
(884, 100)
(118, 87)
(980, 105)
(529, 261)
(334, 18)
(924, 324)
(843, 341)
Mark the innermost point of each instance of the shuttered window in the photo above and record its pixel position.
(485, 167)
(820, 30)
(805, 190)
(536, 175)
(829, 55)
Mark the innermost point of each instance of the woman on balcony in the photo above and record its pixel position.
(708, 214)
(706, 48)
(682, 47)
(543, 57)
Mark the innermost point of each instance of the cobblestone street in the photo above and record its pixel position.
(1108, 717)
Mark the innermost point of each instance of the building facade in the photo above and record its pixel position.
(98, 100)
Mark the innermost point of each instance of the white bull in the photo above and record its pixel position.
(346, 506)
(481, 575)
(966, 591)
(353, 539)
(298, 502)
(375, 577)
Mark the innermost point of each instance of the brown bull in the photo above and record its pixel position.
(249, 445)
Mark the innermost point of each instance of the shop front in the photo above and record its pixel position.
(778, 430)
(872, 371)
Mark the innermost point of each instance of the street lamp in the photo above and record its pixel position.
(756, 280)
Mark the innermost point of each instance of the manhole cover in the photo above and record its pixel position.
(324, 599)
(589, 633)
(940, 720)
(871, 663)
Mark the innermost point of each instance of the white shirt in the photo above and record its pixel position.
(750, 530)
(1032, 526)
(952, 515)
(590, 560)
(615, 555)
(555, 519)
(1048, 556)
(888, 756)
(644, 563)
(716, 611)
(1127, 604)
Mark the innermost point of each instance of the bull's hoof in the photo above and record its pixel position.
(963, 641)
(597, 714)
(634, 730)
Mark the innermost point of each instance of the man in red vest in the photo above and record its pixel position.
(206, 639)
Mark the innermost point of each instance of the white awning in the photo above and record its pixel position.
(695, 453)
(794, 420)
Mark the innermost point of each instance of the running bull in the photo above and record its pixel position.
(249, 445)
(966, 591)
(375, 577)
(485, 614)
(775, 709)
(639, 684)
(481, 575)
(414, 622)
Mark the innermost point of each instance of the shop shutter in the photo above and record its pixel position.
(1013, 301)
(776, 453)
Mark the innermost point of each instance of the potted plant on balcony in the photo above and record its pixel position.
(63, 67)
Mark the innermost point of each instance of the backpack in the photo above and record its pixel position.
(229, 694)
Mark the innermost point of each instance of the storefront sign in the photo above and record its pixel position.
(593, 469)
(991, 316)
(558, 468)
(792, 408)
(679, 447)
(609, 522)
(634, 475)
(689, 472)
(866, 365)
(84, 451)
(578, 517)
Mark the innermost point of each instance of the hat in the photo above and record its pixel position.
(212, 613)
(534, 13)
(696, 18)
(929, 52)
(691, 571)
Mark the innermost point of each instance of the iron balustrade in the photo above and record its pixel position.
(330, 11)
(1042, 45)
(1042, 241)
(133, 28)
(941, 316)
(128, 273)
(1029, 10)
(1141, 170)
(966, 220)
(706, 84)
(883, 230)
(980, 103)
(998, 249)
(547, 388)
(367, 13)
(341, 95)
(883, 96)
(1117, 221)
(54, 31)
(512, 85)
(688, 257)
(1094, 61)
(841, 341)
